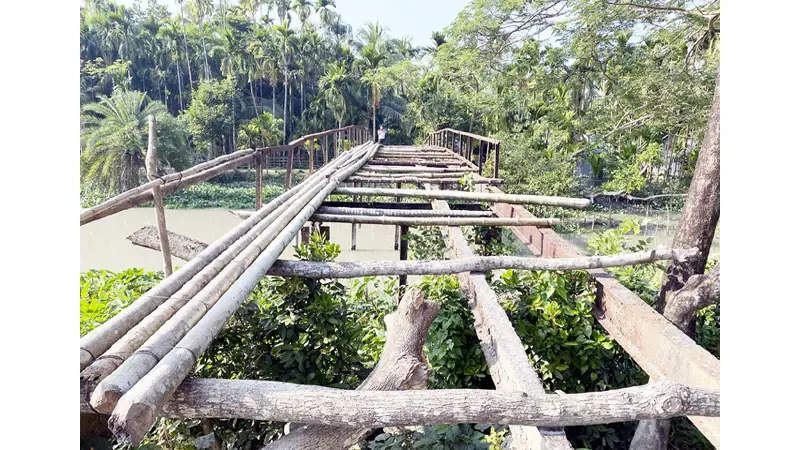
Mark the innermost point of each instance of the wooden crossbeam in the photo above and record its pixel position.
(508, 363)
(659, 347)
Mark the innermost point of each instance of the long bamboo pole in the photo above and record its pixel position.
(197, 287)
(89, 214)
(434, 221)
(175, 317)
(379, 168)
(96, 342)
(419, 180)
(400, 212)
(151, 163)
(136, 411)
(411, 173)
(475, 196)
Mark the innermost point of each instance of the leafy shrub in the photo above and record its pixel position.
(105, 293)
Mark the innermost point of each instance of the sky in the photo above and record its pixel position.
(416, 19)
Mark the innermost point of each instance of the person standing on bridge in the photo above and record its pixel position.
(381, 134)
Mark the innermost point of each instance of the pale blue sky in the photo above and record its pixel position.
(416, 19)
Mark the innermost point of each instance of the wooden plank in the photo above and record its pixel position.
(652, 341)
(505, 355)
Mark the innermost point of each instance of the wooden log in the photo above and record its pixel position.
(402, 366)
(91, 214)
(508, 362)
(432, 221)
(180, 246)
(420, 180)
(99, 340)
(474, 196)
(314, 269)
(151, 163)
(172, 320)
(135, 412)
(309, 404)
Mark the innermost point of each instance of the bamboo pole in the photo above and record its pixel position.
(90, 214)
(259, 180)
(151, 163)
(400, 212)
(173, 319)
(434, 221)
(379, 168)
(420, 180)
(97, 341)
(475, 196)
(411, 173)
(136, 411)
(203, 287)
(289, 167)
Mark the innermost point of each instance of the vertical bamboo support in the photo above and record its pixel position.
(325, 149)
(158, 201)
(469, 144)
(259, 157)
(289, 165)
(397, 227)
(310, 143)
(480, 158)
(403, 255)
(336, 143)
(497, 160)
(353, 230)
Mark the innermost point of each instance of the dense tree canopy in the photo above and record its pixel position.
(618, 89)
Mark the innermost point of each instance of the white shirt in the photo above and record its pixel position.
(381, 134)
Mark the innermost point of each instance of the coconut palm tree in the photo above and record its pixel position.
(114, 139)
(332, 85)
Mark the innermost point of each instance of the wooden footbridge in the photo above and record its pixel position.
(134, 367)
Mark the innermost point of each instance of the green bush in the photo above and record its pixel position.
(105, 293)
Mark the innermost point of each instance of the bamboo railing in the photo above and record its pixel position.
(454, 140)
(343, 139)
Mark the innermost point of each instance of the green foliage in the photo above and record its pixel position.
(105, 293)
(425, 243)
(643, 279)
(438, 437)
(213, 110)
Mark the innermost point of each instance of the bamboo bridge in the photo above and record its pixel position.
(134, 367)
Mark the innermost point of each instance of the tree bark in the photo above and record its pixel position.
(203, 398)
(698, 292)
(695, 230)
(700, 212)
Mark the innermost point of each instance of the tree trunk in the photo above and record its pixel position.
(700, 212)
(695, 230)
(402, 366)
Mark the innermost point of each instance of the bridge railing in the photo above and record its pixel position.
(455, 140)
(341, 138)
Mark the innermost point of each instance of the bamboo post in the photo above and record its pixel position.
(158, 201)
(480, 158)
(397, 227)
(497, 160)
(403, 255)
(259, 180)
(310, 155)
(289, 165)
(337, 143)
(325, 147)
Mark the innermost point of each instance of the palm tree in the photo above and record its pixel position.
(326, 14)
(286, 38)
(332, 84)
(114, 139)
(303, 10)
(185, 46)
